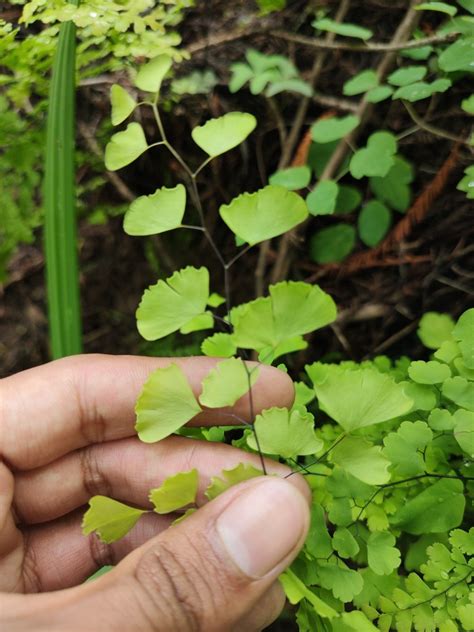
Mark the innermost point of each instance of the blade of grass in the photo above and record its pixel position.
(62, 274)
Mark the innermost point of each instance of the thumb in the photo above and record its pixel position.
(211, 570)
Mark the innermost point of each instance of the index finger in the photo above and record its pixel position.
(67, 404)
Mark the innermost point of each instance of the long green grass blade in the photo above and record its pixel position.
(60, 202)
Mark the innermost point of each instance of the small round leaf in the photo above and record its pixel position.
(151, 75)
(122, 104)
(374, 222)
(156, 213)
(269, 212)
(221, 134)
(322, 199)
(125, 147)
(330, 129)
(332, 244)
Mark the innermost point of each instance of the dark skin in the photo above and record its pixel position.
(67, 433)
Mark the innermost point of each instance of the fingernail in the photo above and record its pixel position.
(263, 525)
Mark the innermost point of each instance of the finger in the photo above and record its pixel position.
(10, 537)
(206, 573)
(125, 470)
(77, 557)
(267, 609)
(77, 401)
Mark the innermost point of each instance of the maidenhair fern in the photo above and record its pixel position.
(386, 447)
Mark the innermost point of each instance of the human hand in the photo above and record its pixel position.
(67, 433)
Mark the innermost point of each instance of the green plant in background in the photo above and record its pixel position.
(268, 6)
(423, 72)
(19, 182)
(387, 447)
(108, 35)
(268, 74)
(60, 227)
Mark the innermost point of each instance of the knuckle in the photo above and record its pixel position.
(93, 477)
(29, 569)
(177, 587)
(100, 553)
(92, 423)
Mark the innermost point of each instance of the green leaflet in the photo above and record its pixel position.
(361, 459)
(424, 396)
(357, 398)
(221, 134)
(404, 448)
(172, 303)
(165, 404)
(365, 80)
(289, 85)
(440, 419)
(434, 329)
(463, 540)
(459, 391)
(378, 94)
(340, 512)
(432, 372)
(125, 147)
(382, 554)
(176, 492)
(407, 75)
(229, 478)
(215, 300)
(198, 323)
(421, 90)
(463, 333)
(377, 158)
(156, 213)
(330, 129)
(333, 243)
(375, 588)
(467, 183)
(269, 354)
(348, 199)
(437, 508)
(345, 29)
(458, 56)
(467, 104)
(284, 432)
(292, 178)
(442, 7)
(467, 4)
(464, 430)
(219, 346)
(292, 309)
(355, 621)
(322, 199)
(122, 104)
(109, 518)
(344, 542)
(270, 74)
(226, 383)
(269, 212)
(151, 75)
(394, 188)
(343, 582)
(373, 222)
(295, 591)
(303, 394)
(318, 543)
